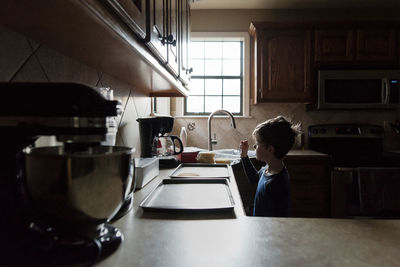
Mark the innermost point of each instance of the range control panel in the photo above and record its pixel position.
(345, 131)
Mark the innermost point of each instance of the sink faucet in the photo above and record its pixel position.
(233, 124)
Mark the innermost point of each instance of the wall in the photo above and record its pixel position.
(234, 20)
(25, 60)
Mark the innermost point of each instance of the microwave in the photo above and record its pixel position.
(358, 89)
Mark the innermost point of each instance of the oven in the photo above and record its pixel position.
(364, 181)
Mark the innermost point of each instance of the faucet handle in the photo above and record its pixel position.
(214, 141)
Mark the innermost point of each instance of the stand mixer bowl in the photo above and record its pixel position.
(78, 191)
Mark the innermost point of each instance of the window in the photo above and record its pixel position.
(218, 79)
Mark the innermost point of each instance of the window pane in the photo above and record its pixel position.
(213, 49)
(196, 50)
(231, 50)
(198, 67)
(232, 67)
(232, 103)
(195, 103)
(196, 87)
(231, 86)
(213, 103)
(213, 87)
(216, 78)
(213, 67)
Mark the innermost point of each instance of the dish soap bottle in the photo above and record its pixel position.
(183, 136)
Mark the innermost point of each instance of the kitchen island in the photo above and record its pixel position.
(233, 239)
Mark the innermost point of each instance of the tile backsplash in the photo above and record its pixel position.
(228, 137)
(25, 60)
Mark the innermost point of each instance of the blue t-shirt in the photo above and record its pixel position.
(272, 198)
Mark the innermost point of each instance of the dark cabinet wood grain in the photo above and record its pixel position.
(310, 186)
(133, 13)
(376, 45)
(356, 45)
(334, 45)
(172, 36)
(286, 56)
(158, 29)
(309, 181)
(164, 26)
(184, 39)
(282, 65)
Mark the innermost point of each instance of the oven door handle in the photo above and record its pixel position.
(345, 169)
(385, 91)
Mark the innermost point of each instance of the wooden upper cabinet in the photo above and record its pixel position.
(334, 45)
(164, 27)
(356, 44)
(184, 39)
(133, 13)
(171, 39)
(158, 29)
(376, 45)
(282, 60)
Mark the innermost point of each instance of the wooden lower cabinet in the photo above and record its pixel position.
(310, 185)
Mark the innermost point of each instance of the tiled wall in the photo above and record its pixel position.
(22, 59)
(230, 138)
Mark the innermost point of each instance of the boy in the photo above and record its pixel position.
(273, 140)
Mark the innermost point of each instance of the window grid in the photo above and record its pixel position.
(218, 77)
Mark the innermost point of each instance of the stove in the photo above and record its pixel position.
(365, 181)
(351, 145)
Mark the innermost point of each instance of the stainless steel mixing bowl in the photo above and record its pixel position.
(81, 189)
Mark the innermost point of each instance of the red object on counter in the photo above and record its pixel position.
(188, 157)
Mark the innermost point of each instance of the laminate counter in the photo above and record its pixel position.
(233, 239)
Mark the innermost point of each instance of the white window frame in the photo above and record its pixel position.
(225, 36)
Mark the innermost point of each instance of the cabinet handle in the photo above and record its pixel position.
(187, 71)
(385, 91)
(168, 40)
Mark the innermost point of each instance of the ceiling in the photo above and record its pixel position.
(277, 4)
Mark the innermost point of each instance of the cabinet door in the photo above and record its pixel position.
(310, 187)
(377, 45)
(334, 45)
(184, 39)
(158, 29)
(283, 66)
(133, 13)
(172, 36)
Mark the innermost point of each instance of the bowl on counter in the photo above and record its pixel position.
(78, 190)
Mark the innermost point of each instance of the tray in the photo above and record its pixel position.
(190, 195)
(201, 170)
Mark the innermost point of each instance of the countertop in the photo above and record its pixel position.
(305, 152)
(232, 239)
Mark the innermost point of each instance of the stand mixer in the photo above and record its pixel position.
(58, 200)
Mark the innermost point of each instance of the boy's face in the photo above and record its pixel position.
(263, 151)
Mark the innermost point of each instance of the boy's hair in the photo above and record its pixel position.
(278, 132)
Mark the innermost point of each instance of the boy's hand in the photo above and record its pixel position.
(244, 148)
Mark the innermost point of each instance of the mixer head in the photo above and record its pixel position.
(74, 113)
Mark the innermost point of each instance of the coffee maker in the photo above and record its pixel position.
(155, 141)
(43, 218)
